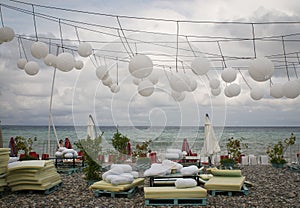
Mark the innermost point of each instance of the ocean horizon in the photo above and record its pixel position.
(258, 138)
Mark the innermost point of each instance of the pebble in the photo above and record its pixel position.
(272, 187)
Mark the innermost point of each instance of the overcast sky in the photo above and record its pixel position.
(25, 100)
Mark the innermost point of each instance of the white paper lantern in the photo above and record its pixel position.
(261, 69)
(108, 81)
(276, 91)
(257, 93)
(200, 65)
(32, 68)
(145, 88)
(178, 96)
(214, 83)
(193, 85)
(39, 50)
(153, 77)
(78, 64)
(291, 89)
(228, 74)
(50, 60)
(114, 88)
(21, 63)
(65, 62)
(177, 83)
(216, 92)
(234, 89)
(227, 92)
(136, 81)
(6, 34)
(140, 66)
(85, 49)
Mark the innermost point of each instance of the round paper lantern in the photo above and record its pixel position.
(261, 69)
(21, 63)
(65, 62)
(228, 74)
(257, 93)
(136, 81)
(50, 60)
(153, 77)
(214, 83)
(78, 64)
(6, 34)
(108, 81)
(276, 91)
(114, 88)
(145, 88)
(177, 84)
(101, 72)
(32, 68)
(234, 89)
(216, 92)
(227, 92)
(200, 65)
(39, 50)
(140, 66)
(291, 89)
(178, 96)
(85, 49)
(193, 85)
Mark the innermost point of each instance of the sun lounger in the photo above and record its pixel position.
(105, 188)
(175, 196)
(226, 184)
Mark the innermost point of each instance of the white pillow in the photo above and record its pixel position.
(127, 168)
(119, 179)
(135, 174)
(190, 170)
(156, 169)
(172, 155)
(69, 155)
(58, 154)
(61, 149)
(185, 183)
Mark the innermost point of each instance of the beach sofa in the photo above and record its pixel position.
(226, 181)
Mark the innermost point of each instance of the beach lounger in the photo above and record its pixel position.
(226, 184)
(164, 196)
(104, 188)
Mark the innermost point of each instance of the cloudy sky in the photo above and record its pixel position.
(25, 100)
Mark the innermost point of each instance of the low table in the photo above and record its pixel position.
(57, 159)
(170, 179)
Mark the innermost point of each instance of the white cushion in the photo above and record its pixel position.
(58, 154)
(127, 168)
(190, 170)
(185, 183)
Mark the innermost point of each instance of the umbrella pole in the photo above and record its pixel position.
(1, 138)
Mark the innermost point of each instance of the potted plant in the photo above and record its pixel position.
(91, 149)
(276, 152)
(234, 148)
(120, 142)
(142, 149)
(26, 145)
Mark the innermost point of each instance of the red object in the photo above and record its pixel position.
(101, 158)
(223, 157)
(68, 144)
(152, 156)
(45, 156)
(12, 146)
(128, 149)
(80, 153)
(186, 147)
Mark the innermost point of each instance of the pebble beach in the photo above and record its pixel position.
(272, 187)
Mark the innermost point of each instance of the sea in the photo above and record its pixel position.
(257, 139)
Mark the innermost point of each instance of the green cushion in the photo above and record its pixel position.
(227, 173)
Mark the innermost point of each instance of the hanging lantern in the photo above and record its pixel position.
(214, 83)
(145, 88)
(227, 92)
(65, 62)
(153, 77)
(114, 88)
(216, 92)
(85, 49)
(140, 66)
(32, 68)
(50, 60)
(178, 96)
(107, 82)
(233, 90)
(291, 89)
(193, 85)
(261, 69)
(257, 93)
(101, 72)
(6, 34)
(200, 65)
(21, 63)
(39, 50)
(78, 64)
(177, 84)
(228, 74)
(276, 91)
